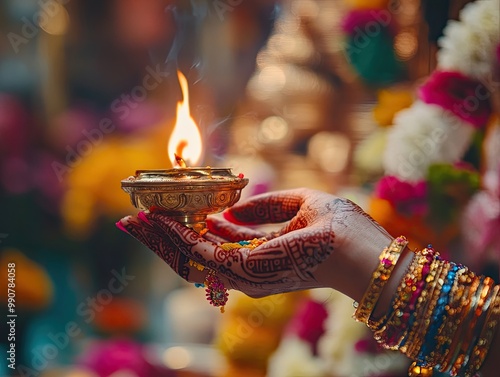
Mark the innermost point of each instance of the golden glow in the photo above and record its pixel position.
(177, 358)
(57, 22)
(273, 129)
(185, 140)
(330, 150)
(405, 44)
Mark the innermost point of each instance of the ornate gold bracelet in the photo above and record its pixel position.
(388, 259)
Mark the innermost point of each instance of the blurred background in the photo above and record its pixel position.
(290, 93)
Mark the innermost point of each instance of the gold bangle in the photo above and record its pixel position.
(480, 350)
(419, 312)
(388, 259)
(469, 333)
(455, 342)
(393, 330)
(432, 298)
(457, 297)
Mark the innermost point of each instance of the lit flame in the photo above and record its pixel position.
(185, 141)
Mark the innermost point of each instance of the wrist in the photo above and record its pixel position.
(351, 270)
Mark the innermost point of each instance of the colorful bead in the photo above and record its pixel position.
(217, 294)
(196, 265)
(418, 371)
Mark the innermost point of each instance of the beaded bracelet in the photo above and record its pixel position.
(420, 346)
(438, 318)
(458, 296)
(395, 329)
(459, 340)
(442, 315)
(455, 342)
(401, 295)
(388, 259)
(470, 335)
(418, 295)
(418, 313)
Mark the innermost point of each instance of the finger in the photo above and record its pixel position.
(232, 232)
(194, 247)
(188, 242)
(156, 240)
(275, 207)
(212, 237)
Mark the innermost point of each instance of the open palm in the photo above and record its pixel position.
(316, 243)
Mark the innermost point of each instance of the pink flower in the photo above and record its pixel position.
(367, 21)
(481, 222)
(467, 99)
(368, 345)
(407, 198)
(309, 322)
(106, 357)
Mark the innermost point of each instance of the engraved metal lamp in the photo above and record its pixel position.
(187, 194)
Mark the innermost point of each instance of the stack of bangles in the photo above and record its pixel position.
(216, 292)
(442, 316)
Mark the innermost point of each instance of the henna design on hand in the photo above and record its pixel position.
(293, 258)
(149, 235)
(231, 232)
(266, 208)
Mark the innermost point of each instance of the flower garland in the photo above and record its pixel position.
(431, 173)
(369, 47)
(431, 161)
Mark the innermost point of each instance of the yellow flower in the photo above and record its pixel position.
(367, 4)
(33, 286)
(93, 186)
(390, 102)
(252, 328)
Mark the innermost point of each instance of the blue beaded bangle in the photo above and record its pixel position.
(438, 317)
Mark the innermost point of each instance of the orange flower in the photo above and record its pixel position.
(122, 315)
(367, 4)
(93, 186)
(415, 228)
(252, 328)
(33, 286)
(390, 102)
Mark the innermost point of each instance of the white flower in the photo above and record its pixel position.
(336, 346)
(482, 15)
(385, 363)
(423, 135)
(294, 358)
(368, 154)
(468, 45)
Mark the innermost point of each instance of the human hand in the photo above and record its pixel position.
(324, 241)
